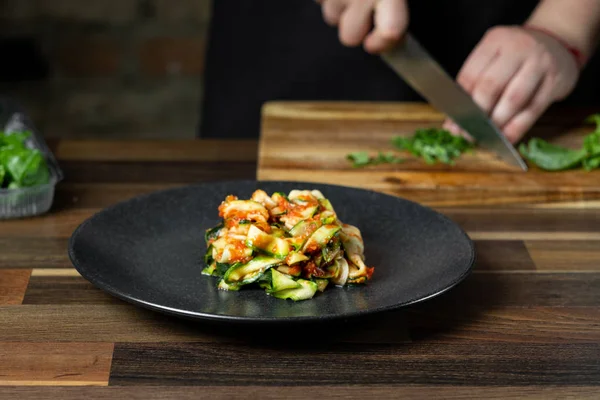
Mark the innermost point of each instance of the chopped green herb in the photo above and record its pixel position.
(359, 158)
(362, 159)
(433, 145)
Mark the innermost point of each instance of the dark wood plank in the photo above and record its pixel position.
(502, 255)
(297, 363)
(57, 224)
(526, 290)
(156, 172)
(436, 322)
(438, 318)
(555, 255)
(34, 252)
(157, 150)
(65, 290)
(13, 283)
(44, 364)
(479, 289)
(101, 195)
(302, 392)
(519, 221)
(484, 224)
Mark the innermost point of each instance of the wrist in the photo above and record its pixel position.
(577, 27)
(580, 57)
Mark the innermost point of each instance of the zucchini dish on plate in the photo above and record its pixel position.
(292, 246)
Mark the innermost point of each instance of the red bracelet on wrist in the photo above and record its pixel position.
(580, 58)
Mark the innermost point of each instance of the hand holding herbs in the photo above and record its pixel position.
(21, 166)
(551, 157)
(431, 144)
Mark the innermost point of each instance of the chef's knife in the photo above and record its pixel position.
(416, 66)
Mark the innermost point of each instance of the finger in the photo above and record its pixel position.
(456, 130)
(391, 21)
(518, 92)
(524, 120)
(332, 11)
(479, 59)
(356, 21)
(493, 80)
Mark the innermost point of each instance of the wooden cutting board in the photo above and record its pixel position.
(309, 141)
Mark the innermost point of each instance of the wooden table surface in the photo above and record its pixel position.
(525, 324)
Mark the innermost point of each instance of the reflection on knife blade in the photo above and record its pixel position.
(427, 77)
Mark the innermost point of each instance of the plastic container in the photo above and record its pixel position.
(35, 200)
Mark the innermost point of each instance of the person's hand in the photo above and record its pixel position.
(514, 75)
(376, 24)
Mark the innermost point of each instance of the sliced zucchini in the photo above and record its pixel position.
(306, 291)
(278, 211)
(308, 211)
(208, 256)
(327, 217)
(296, 270)
(281, 281)
(317, 194)
(299, 195)
(277, 231)
(331, 251)
(321, 284)
(212, 233)
(278, 196)
(320, 237)
(340, 272)
(218, 245)
(226, 286)
(222, 268)
(295, 257)
(305, 227)
(274, 246)
(296, 243)
(245, 208)
(244, 274)
(210, 269)
(326, 204)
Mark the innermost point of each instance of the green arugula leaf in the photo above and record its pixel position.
(21, 166)
(2, 175)
(557, 158)
(591, 163)
(551, 157)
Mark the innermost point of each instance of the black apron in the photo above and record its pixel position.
(263, 50)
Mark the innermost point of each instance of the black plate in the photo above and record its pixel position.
(149, 250)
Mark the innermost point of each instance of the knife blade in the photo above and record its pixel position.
(418, 68)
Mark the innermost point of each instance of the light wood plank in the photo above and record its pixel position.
(54, 272)
(13, 284)
(396, 182)
(55, 363)
(305, 141)
(574, 256)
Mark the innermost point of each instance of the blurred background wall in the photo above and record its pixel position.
(106, 69)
